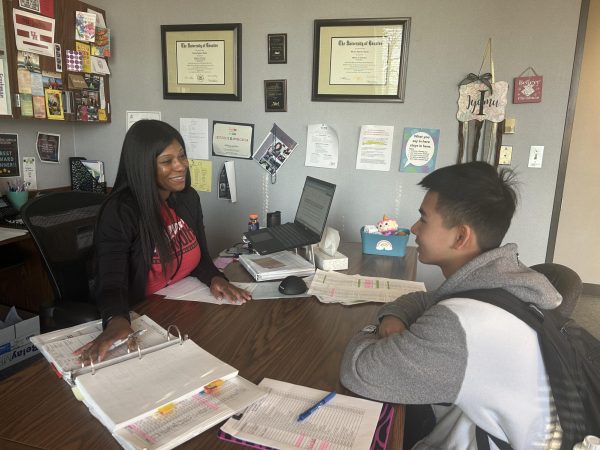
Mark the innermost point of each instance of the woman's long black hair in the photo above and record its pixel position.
(145, 140)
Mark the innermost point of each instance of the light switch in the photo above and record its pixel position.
(509, 126)
(536, 154)
(505, 156)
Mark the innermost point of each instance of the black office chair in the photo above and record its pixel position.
(62, 225)
(566, 282)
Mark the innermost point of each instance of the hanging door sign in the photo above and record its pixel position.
(477, 102)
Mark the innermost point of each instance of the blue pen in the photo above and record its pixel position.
(316, 406)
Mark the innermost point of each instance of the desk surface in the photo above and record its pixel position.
(295, 340)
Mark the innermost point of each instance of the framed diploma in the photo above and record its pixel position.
(202, 62)
(277, 44)
(360, 60)
(275, 95)
(233, 140)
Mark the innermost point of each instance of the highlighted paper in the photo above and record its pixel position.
(345, 422)
(375, 147)
(419, 150)
(201, 172)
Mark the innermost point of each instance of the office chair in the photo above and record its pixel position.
(566, 282)
(62, 225)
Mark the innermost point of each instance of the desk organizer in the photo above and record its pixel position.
(378, 244)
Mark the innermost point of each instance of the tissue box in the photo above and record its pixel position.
(15, 345)
(328, 262)
(378, 244)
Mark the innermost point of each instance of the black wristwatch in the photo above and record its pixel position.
(370, 329)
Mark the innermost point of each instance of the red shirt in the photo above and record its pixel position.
(187, 251)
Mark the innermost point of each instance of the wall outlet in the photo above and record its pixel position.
(536, 154)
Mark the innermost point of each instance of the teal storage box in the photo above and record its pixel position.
(378, 244)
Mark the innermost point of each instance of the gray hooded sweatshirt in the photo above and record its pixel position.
(475, 356)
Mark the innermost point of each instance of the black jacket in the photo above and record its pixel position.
(121, 271)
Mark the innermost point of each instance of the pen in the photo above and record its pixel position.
(316, 406)
(120, 342)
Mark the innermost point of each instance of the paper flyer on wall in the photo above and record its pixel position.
(274, 150)
(375, 147)
(201, 174)
(195, 135)
(419, 150)
(33, 33)
(48, 147)
(322, 146)
(29, 174)
(9, 155)
(132, 117)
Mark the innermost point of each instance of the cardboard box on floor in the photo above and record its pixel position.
(15, 345)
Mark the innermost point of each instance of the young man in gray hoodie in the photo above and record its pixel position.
(438, 348)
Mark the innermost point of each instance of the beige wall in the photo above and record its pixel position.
(578, 240)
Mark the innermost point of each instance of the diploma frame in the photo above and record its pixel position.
(342, 75)
(202, 61)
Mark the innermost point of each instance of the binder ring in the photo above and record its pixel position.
(178, 333)
(139, 351)
(92, 366)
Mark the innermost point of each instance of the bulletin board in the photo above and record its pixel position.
(65, 76)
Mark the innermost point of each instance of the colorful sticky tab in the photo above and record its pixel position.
(210, 387)
(166, 409)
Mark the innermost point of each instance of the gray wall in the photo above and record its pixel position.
(446, 43)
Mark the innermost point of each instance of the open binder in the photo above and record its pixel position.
(157, 397)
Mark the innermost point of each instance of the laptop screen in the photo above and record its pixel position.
(314, 204)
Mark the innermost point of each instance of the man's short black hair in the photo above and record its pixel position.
(475, 194)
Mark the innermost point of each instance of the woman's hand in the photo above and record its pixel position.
(117, 328)
(390, 325)
(221, 288)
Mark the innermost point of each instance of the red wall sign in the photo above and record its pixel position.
(528, 89)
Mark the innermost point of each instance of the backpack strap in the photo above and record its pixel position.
(527, 313)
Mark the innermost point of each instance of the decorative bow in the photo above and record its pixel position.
(484, 78)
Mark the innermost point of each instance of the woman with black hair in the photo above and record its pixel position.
(150, 232)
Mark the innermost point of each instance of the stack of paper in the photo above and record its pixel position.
(276, 266)
(157, 400)
(344, 423)
(192, 290)
(333, 287)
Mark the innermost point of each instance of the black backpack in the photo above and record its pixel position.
(572, 359)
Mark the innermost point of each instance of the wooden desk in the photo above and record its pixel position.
(295, 340)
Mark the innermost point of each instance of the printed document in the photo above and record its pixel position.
(344, 423)
(375, 147)
(333, 287)
(321, 146)
(193, 290)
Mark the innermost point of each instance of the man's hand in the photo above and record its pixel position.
(221, 288)
(391, 325)
(117, 328)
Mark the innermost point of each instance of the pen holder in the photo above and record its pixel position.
(17, 199)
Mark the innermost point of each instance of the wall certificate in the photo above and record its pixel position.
(201, 62)
(233, 140)
(360, 60)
